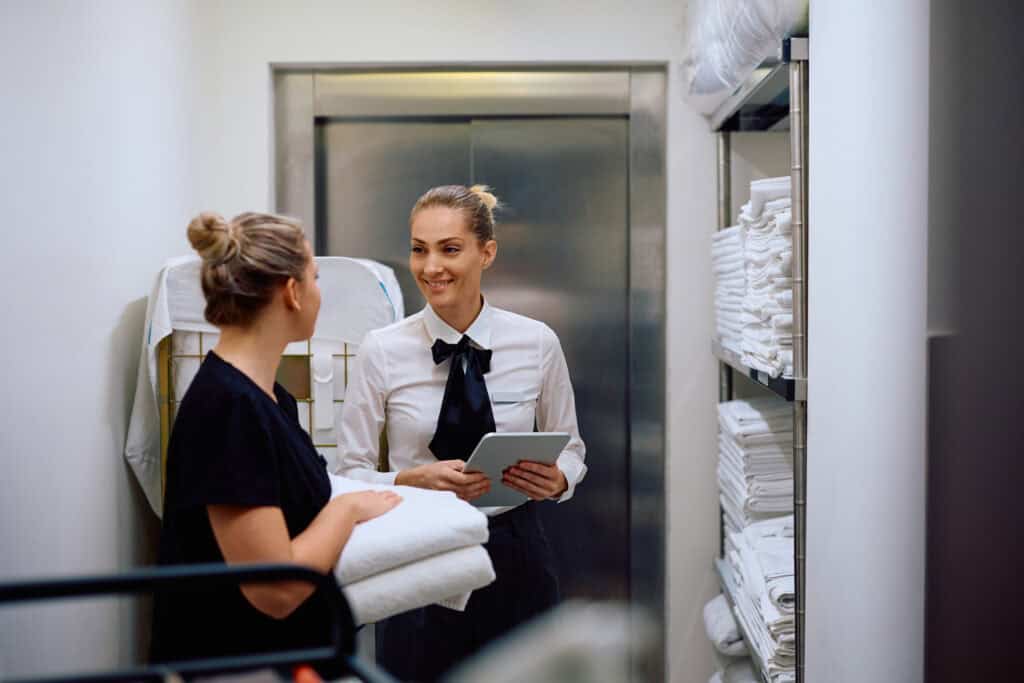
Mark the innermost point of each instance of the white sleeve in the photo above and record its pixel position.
(362, 416)
(556, 410)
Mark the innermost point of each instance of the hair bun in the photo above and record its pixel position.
(484, 193)
(211, 236)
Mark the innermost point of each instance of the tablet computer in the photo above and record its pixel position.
(498, 451)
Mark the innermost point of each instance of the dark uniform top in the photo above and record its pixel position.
(232, 445)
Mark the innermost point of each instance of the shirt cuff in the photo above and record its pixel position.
(573, 472)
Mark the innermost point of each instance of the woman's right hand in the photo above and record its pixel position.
(446, 475)
(366, 505)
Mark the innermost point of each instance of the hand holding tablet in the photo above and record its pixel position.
(499, 451)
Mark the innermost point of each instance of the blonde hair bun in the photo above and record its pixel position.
(484, 193)
(212, 237)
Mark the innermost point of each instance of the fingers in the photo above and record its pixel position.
(389, 497)
(548, 471)
(539, 475)
(474, 491)
(535, 487)
(461, 479)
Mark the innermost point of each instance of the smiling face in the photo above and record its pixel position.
(447, 260)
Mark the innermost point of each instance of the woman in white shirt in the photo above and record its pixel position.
(437, 381)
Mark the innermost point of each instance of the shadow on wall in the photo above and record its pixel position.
(138, 528)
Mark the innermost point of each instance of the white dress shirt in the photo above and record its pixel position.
(396, 383)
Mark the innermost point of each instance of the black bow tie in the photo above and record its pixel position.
(466, 413)
(442, 351)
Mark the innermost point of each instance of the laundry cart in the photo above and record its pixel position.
(338, 656)
(357, 296)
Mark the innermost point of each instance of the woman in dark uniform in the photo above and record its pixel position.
(439, 380)
(244, 483)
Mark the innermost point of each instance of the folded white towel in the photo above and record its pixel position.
(782, 321)
(780, 527)
(755, 409)
(721, 628)
(762, 308)
(726, 234)
(764, 192)
(425, 523)
(769, 337)
(776, 207)
(441, 578)
(768, 424)
(782, 593)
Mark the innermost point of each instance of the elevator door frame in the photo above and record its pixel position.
(302, 95)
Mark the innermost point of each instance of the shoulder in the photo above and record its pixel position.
(396, 334)
(219, 391)
(524, 326)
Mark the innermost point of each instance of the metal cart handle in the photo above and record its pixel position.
(157, 579)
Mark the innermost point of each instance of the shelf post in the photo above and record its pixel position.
(725, 378)
(798, 89)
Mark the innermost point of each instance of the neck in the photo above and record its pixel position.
(254, 352)
(462, 317)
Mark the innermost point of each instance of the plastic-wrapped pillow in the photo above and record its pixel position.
(729, 38)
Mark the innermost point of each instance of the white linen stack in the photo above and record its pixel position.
(427, 550)
(760, 561)
(727, 261)
(767, 309)
(755, 466)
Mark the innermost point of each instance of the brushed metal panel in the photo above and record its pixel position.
(563, 257)
(293, 148)
(371, 174)
(647, 220)
(472, 93)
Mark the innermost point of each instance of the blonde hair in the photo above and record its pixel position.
(245, 261)
(476, 203)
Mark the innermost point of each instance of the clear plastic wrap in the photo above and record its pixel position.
(729, 38)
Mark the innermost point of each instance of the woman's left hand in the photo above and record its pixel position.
(536, 480)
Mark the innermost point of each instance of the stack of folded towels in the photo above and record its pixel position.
(760, 561)
(730, 286)
(767, 330)
(427, 550)
(755, 466)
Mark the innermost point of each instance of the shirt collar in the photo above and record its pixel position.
(479, 331)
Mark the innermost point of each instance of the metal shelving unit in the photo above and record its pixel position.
(774, 98)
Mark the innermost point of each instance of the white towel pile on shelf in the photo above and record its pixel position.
(767, 333)
(760, 561)
(427, 550)
(755, 466)
(730, 286)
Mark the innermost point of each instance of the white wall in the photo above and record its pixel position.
(94, 186)
(867, 272)
(239, 40)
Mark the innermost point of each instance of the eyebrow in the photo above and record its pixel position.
(441, 241)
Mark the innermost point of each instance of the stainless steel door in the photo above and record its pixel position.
(370, 173)
(563, 258)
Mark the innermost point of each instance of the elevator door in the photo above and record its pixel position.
(562, 258)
